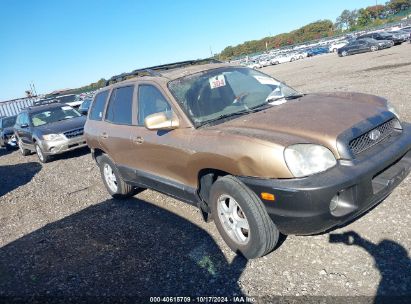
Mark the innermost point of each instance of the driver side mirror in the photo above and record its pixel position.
(23, 126)
(161, 121)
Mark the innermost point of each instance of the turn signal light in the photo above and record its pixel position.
(267, 196)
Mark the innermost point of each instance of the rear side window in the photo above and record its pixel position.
(96, 112)
(119, 109)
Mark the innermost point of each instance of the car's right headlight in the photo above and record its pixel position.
(53, 136)
(307, 159)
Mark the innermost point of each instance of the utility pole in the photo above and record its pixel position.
(211, 52)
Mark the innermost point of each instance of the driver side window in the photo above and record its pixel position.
(150, 101)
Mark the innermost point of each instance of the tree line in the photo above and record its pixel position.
(348, 21)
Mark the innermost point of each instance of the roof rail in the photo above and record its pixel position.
(154, 70)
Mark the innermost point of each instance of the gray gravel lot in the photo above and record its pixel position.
(62, 235)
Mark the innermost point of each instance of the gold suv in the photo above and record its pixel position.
(255, 155)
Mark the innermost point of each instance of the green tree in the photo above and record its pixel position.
(398, 5)
(364, 17)
(375, 11)
(346, 20)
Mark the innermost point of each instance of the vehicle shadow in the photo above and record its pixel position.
(72, 154)
(14, 176)
(392, 261)
(4, 151)
(117, 249)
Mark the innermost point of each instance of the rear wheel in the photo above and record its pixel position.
(241, 218)
(374, 48)
(23, 151)
(112, 179)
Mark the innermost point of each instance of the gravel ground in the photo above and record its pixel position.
(62, 235)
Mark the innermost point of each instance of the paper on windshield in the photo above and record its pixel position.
(217, 81)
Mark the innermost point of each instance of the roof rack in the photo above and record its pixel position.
(154, 70)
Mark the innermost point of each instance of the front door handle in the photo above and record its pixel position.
(104, 135)
(138, 140)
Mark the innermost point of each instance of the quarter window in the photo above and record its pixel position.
(119, 109)
(150, 101)
(96, 112)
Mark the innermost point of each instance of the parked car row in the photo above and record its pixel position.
(343, 46)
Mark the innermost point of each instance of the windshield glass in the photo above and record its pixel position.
(221, 92)
(53, 115)
(8, 122)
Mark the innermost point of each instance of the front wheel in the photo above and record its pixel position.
(241, 218)
(42, 157)
(23, 151)
(344, 53)
(113, 181)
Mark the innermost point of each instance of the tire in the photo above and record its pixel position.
(23, 151)
(373, 48)
(112, 179)
(42, 157)
(344, 53)
(276, 63)
(247, 210)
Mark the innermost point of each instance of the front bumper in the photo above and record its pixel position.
(302, 205)
(54, 147)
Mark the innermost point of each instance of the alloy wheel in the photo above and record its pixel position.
(233, 219)
(110, 178)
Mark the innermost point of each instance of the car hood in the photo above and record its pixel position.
(313, 118)
(62, 126)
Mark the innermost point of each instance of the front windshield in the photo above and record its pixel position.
(8, 122)
(218, 93)
(53, 115)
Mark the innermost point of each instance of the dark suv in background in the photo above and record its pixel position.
(383, 36)
(49, 129)
(6, 132)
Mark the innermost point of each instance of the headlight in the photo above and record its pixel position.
(307, 159)
(53, 136)
(392, 109)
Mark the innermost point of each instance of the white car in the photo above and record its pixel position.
(283, 58)
(336, 45)
(264, 62)
(254, 65)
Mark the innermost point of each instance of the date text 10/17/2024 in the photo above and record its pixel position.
(205, 299)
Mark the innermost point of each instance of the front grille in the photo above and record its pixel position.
(74, 133)
(373, 137)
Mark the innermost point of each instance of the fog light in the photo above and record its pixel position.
(334, 202)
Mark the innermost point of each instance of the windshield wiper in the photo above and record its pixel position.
(239, 113)
(289, 97)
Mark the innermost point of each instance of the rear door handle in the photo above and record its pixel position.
(138, 140)
(104, 135)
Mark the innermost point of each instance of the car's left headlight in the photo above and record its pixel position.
(392, 109)
(307, 159)
(53, 136)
